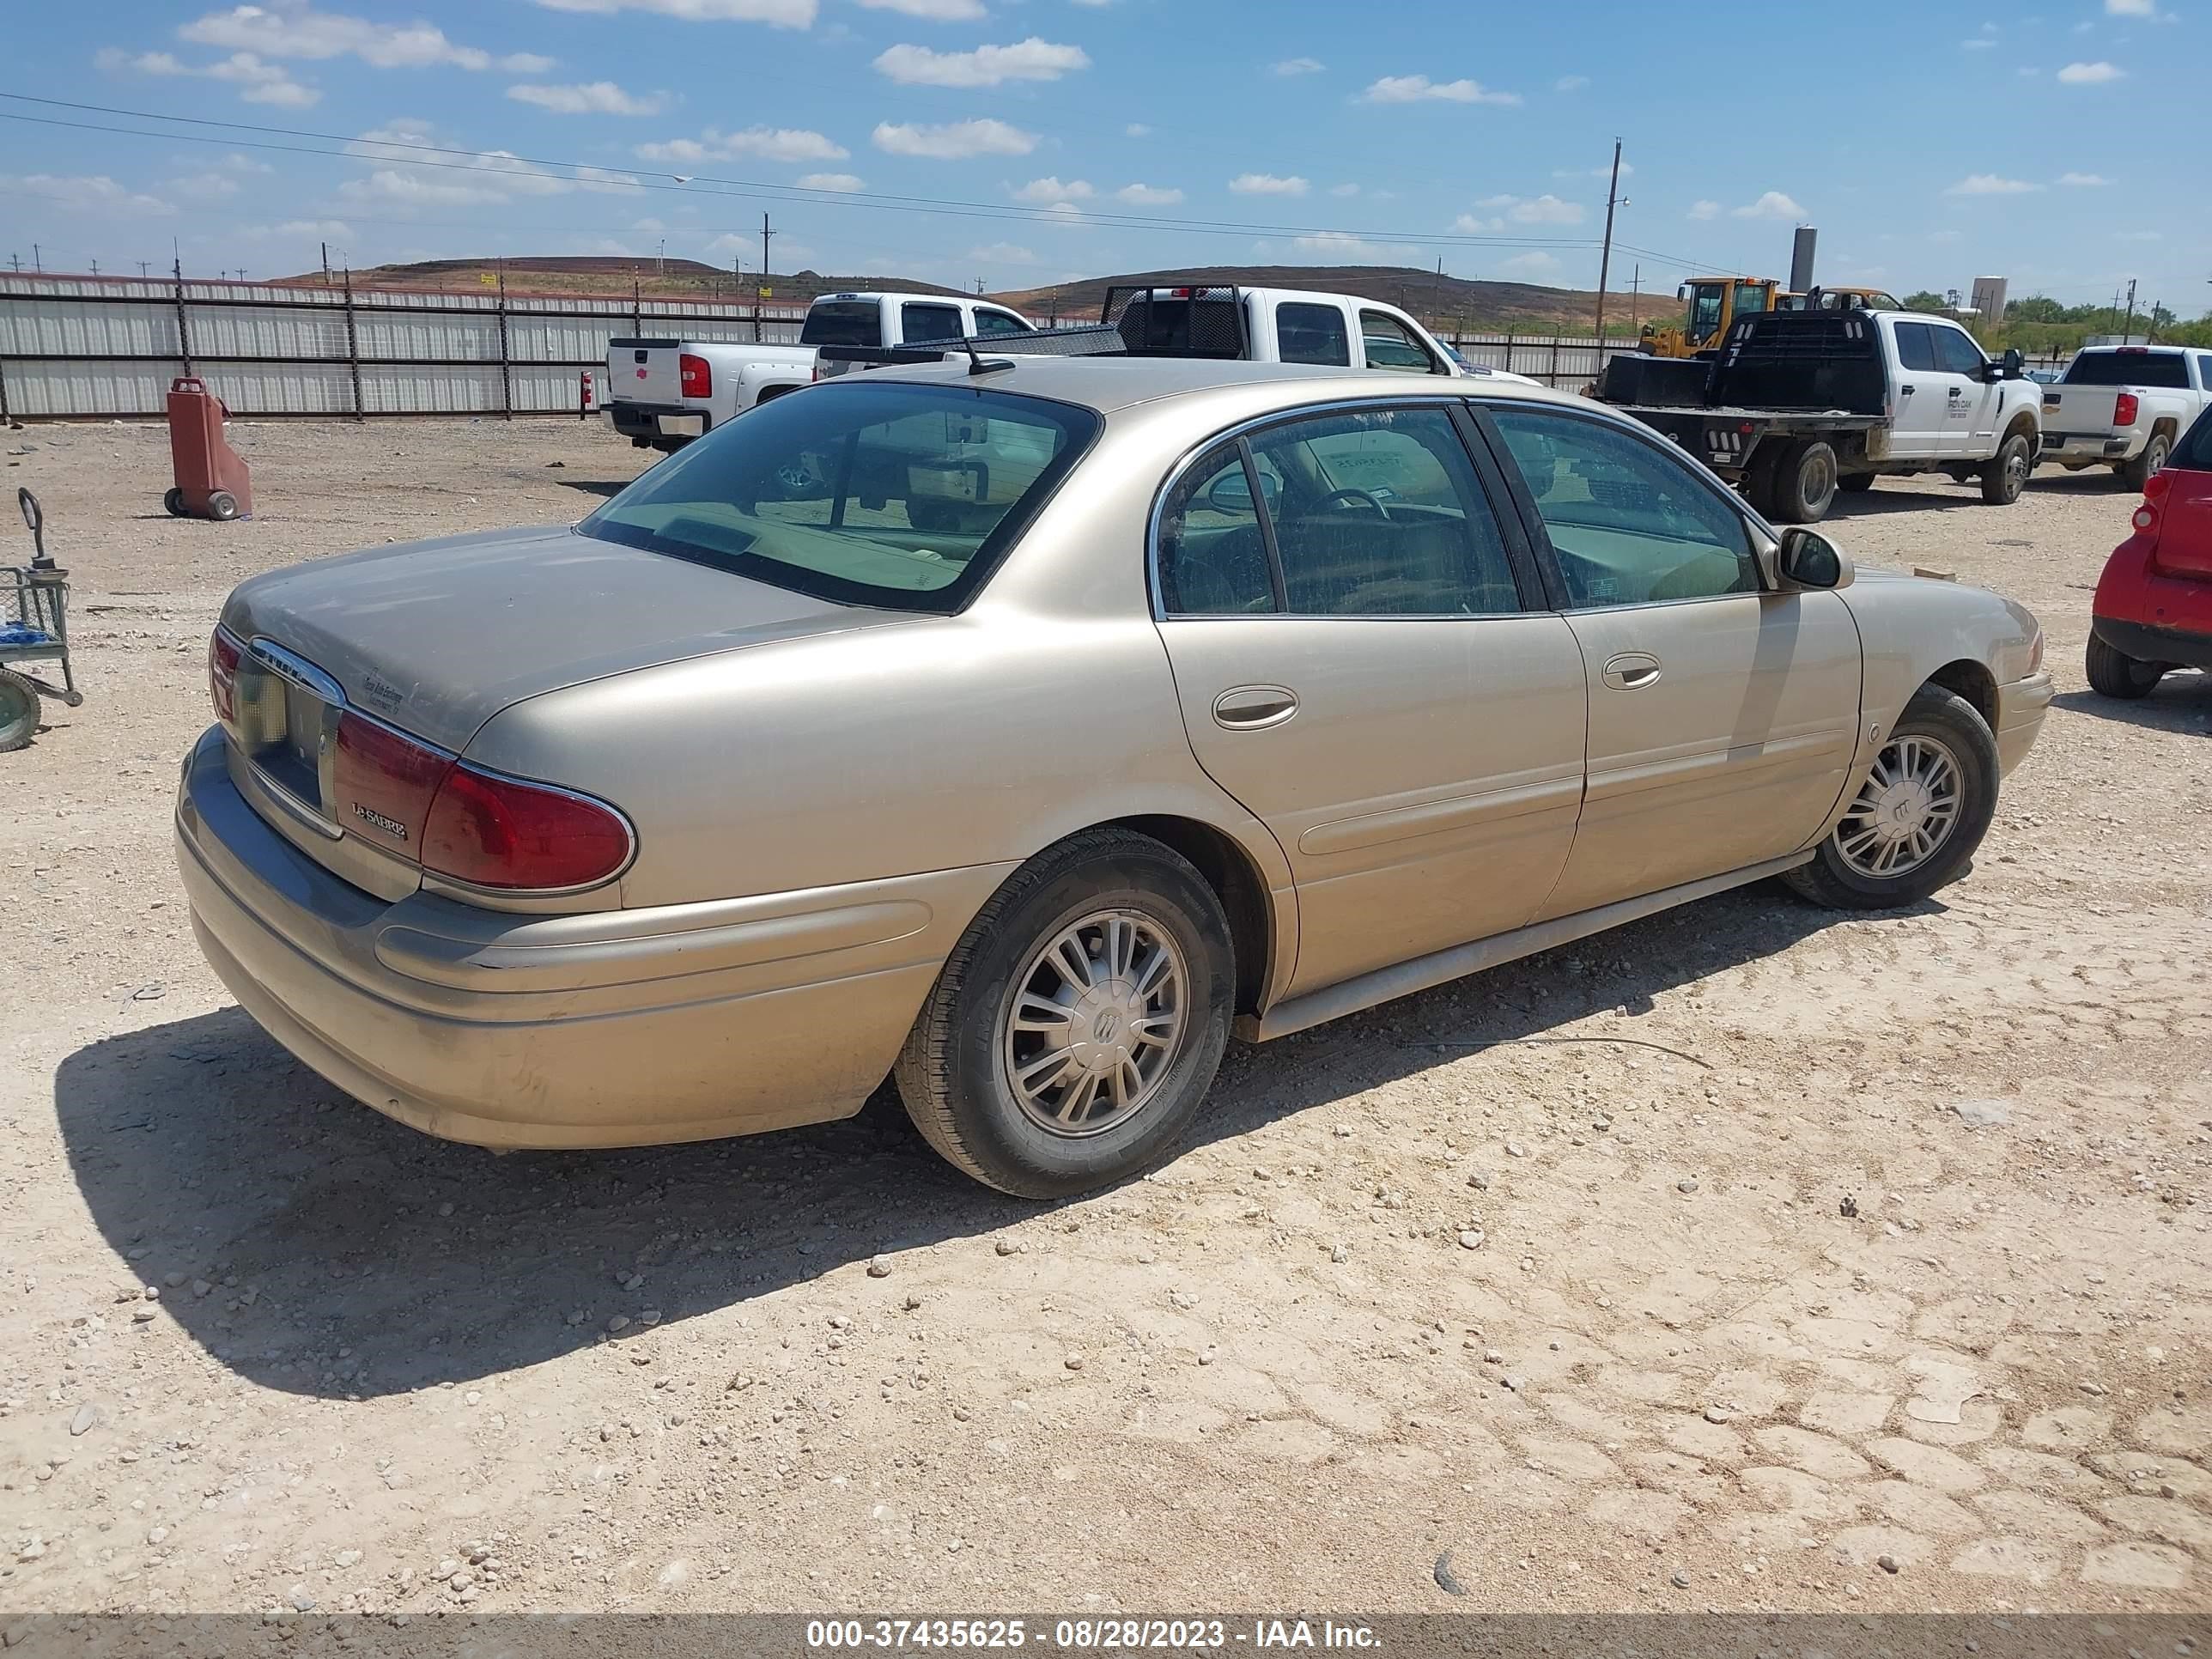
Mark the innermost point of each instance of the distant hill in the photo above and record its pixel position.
(1443, 302)
(609, 274)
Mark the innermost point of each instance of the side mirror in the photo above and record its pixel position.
(1809, 559)
(2015, 363)
(1231, 496)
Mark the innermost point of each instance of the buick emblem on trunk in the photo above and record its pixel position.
(390, 826)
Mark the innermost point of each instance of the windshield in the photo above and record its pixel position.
(2154, 368)
(846, 323)
(867, 491)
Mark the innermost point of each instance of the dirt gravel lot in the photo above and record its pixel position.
(1761, 1318)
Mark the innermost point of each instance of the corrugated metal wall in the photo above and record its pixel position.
(74, 347)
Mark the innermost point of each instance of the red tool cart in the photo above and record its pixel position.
(213, 481)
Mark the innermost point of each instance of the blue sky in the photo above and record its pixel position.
(1024, 141)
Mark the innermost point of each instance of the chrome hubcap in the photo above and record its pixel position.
(1092, 1022)
(1904, 811)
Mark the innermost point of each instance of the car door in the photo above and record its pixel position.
(1970, 400)
(1916, 432)
(1348, 616)
(1723, 718)
(1386, 343)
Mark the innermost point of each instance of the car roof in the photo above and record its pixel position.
(1107, 383)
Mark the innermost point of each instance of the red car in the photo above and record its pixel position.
(2153, 608)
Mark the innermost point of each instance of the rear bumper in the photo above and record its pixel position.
(2181, 647)
(659, 420)
(2020, 708)
(2089, 446)
(610, 1028)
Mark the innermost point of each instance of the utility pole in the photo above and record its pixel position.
(979, 287)
(326, 264)
(15, 263)
(35, 265)
(145, 265)
(760, 288)
(1605, 259)
(1634, 296)
(2129, 326)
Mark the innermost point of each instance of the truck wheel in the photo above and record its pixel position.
(2006, 474)
(1803, 482)
(2116, 674)
(222, 506)
(1855, 483)
(19, 711)
(2136, 473)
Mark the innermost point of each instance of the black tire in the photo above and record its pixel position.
(1832, 880)
(951, 1075)
(19, 711)
(2006, 474)
(174, 503)
(933, 517)
(1855, 483)
(2116, 674)
(2136, 473)
(1802, 485)
(222, 506)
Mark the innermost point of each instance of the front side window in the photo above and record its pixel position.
(1629, 524)
(1312, 334)
(1957, 354)
(920, 325)
(1391, 344)
(1706, 300)
(1916, 349)
(862, 490)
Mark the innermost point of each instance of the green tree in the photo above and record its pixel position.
(1926, 300)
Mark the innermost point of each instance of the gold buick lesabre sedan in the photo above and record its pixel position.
(1022, 731)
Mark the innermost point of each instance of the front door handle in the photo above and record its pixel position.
(1906, 391)
(1249, 707)
(1632, 671)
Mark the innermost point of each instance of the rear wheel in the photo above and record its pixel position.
(1918, 814)
(19, 711)
(174, 503)
(2139, 471)
(1078, 1023)
(1801, 484)
(2006, 474)
(222, 506)
(2116, 674)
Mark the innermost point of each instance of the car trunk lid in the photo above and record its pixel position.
(2180, 500)
(2084, 409)
(645, 371)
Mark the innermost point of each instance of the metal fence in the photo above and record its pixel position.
(76, 348)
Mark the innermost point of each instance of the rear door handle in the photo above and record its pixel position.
(1632, 671)
(1249, 707)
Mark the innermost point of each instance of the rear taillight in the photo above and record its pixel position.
(2124, 409)
(494, 831)
(2146, 516)
(385, 782)
(223, 652)
(697, 375)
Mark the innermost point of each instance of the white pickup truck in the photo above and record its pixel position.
(1285, 326)
(2124, 407)
(662, 393)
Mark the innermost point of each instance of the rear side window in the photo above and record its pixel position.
(1212, 552)
(920, 324)
(999, 322)
(1957, 354)
(844, 323)
(1312, 334)
(2164, 369)
(867, 491)
(1916, 349)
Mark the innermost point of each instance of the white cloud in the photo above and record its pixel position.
(1267, 184)
(1980, 43)
(1467, 225)
(769, 144)
(1344, 245)
(2131, 7)
(1702, 210)
(592, 97)
(1418, 89)
(1772, 205)
(783, 14)
(1147, 196)
(1545, 209)
(2089, 74)
(85, 192)
(1136, 129)
(203, 186)
(1299, 66)
(298, 30)
(1344, 189)
(2084, 180)
(1991, 184)
(260, 83)
(1570, 83)
(1002, 253)
(845, 183)
(1033, 60)
(954, 141)
(493, 175)
(1529, 266)
(937, 11)
(329, 230)
(1050, 190)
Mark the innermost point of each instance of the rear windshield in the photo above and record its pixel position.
(857, 323)
(2159, 369)
(863, 490)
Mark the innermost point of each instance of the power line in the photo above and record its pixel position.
(607, 180)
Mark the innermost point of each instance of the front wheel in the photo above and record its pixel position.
(222, 506)
(2006, 474)
(174, 503)
(2116, 674)
(19, 711)
(1078, 1023)
(1918, 815)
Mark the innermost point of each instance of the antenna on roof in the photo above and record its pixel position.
(982, 365)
